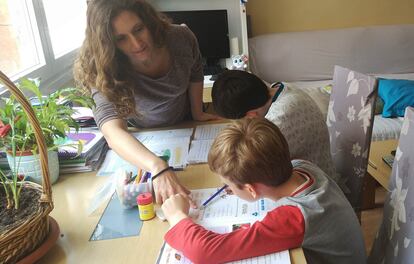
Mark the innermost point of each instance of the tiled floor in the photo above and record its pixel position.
(371, 219)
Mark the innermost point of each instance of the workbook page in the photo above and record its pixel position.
(208, 131)
(168, 255)
(203, 139)
(199, 151)
(227, 208)
(224, 214)
(161, 134)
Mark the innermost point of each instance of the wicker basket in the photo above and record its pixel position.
(32, 231)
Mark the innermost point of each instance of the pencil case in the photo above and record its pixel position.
(128, 190)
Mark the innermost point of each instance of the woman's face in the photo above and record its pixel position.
(133, 38)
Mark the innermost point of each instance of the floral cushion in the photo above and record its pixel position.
(350, 121)
(393, 243)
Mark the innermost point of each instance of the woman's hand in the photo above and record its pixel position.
(167, 185)
(176, 208)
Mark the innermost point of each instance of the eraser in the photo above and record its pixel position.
(160, 214)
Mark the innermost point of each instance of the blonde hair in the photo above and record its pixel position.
(251, 150)
(100, 64)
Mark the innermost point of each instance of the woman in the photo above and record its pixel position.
(140, 68)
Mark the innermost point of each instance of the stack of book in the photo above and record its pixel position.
(88, 158)
(84, 117)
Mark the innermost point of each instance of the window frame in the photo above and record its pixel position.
(53, 73)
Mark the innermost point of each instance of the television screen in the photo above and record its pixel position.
(211, 29)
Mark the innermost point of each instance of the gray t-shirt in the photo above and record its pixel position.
(303, 125)
(163, 101)
(332, 230)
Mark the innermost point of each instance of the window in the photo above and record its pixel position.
(21, 48)
(39, 38)
(66, 28)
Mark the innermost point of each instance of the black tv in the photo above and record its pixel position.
(211, 29)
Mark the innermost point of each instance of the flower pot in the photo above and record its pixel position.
(28, 165)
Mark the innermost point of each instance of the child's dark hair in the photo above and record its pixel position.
(251, 150)
(236, 92)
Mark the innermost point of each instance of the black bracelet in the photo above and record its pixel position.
(161, 172)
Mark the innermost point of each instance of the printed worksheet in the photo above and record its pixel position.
(163, 134)
(227, 208)
(172, 256)
(199, 151)
(173, 143)
(208, 131)
(203, 139)
(224, 214)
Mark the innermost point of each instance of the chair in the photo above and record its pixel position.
(350, 121)
(393, 242)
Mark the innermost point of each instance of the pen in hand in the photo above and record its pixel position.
(214, 195)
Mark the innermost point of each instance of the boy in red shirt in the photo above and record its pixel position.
(252, 157)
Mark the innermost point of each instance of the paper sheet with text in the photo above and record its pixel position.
(225, 214)
(175, 142)
(203, 139)
(172, 256)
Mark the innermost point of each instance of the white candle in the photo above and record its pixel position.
(234, 46)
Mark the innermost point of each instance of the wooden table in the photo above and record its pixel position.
(377, 168)
(72, 195)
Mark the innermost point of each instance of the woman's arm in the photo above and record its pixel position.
(133, 151)
(196, 101)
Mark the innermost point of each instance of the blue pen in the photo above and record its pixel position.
(144, 177)
(148, 176)
(214, 195)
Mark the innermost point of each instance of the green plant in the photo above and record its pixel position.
(54, 113)
(12, 182)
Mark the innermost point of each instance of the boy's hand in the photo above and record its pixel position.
(176, 208)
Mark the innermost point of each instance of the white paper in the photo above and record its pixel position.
(172, 256)
(163, 134)
(176, 147)
(226, 208)
(225, 214)
(199, 151)
(208, 131)
(201, 144)
(175, 142)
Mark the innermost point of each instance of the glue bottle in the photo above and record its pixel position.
(145, 206)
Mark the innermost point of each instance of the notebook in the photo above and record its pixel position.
(90, 139)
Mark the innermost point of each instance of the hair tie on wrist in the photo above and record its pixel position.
(161, 172)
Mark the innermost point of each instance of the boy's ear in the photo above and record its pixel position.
(252, 113)
(252, 190)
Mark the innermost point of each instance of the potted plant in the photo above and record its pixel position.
(24, 127)
(53, 112)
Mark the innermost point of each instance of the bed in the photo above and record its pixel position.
(306, 60)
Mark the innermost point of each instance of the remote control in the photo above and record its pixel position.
(389, 159)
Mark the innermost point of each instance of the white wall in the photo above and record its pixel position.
(236, 13)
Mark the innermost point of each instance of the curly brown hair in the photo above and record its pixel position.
(100, 64)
